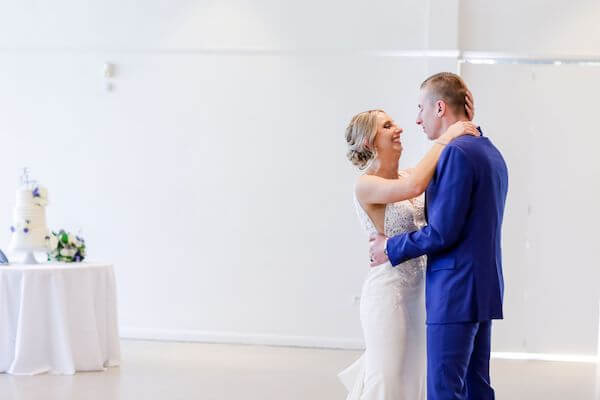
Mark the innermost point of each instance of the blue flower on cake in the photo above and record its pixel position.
(40, 196)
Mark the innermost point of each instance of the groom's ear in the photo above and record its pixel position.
(440, 108)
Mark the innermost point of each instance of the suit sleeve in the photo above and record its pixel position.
(447, 212)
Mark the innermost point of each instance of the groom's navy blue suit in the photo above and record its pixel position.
(464, 285)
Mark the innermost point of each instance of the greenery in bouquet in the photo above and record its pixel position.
(65, 247)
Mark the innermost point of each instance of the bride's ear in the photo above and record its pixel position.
(366, 144)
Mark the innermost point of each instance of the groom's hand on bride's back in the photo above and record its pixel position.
(377, 253)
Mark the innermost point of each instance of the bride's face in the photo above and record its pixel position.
(387, 139)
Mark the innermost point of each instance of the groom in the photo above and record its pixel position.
(464, 206)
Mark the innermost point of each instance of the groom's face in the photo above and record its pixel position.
(427, 117)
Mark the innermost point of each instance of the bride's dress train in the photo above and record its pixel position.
(392, 314)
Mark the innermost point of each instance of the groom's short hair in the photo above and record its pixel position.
(448, 87)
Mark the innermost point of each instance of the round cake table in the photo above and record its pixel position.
(58, 318)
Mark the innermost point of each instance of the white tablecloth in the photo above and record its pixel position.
(58, 318)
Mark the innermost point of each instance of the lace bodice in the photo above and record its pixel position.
(400, 217)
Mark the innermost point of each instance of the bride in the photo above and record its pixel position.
(392, 307)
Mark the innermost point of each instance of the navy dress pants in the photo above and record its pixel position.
(458, 361)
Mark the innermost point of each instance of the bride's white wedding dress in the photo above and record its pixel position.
(392, 314)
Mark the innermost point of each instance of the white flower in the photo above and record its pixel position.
(67, 252)
(73, 241)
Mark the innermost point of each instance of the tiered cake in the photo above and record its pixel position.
(29, 229)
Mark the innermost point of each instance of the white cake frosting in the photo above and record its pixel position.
(29, 229)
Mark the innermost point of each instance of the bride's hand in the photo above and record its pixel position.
(458, 129)
(470, 105)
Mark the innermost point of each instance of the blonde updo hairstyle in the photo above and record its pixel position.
(360, 136)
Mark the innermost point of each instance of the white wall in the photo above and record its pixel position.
(560, 28)
(540, 117)
(214, 175)
(210, 24)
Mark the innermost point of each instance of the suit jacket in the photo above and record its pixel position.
(464, 206)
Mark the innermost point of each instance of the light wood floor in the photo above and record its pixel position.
(161, 370)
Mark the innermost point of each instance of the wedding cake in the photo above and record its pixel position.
(29, 229)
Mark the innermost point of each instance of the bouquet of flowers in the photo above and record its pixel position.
(65, 247)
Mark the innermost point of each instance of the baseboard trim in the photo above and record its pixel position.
(240, 338)
(579, 358)
(311, 342)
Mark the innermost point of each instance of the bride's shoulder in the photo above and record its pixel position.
(406, 172)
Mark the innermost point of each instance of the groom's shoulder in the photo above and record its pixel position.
(469, 144)
(465, 141)
(461, 145)
(465, 148)
(477, 150)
